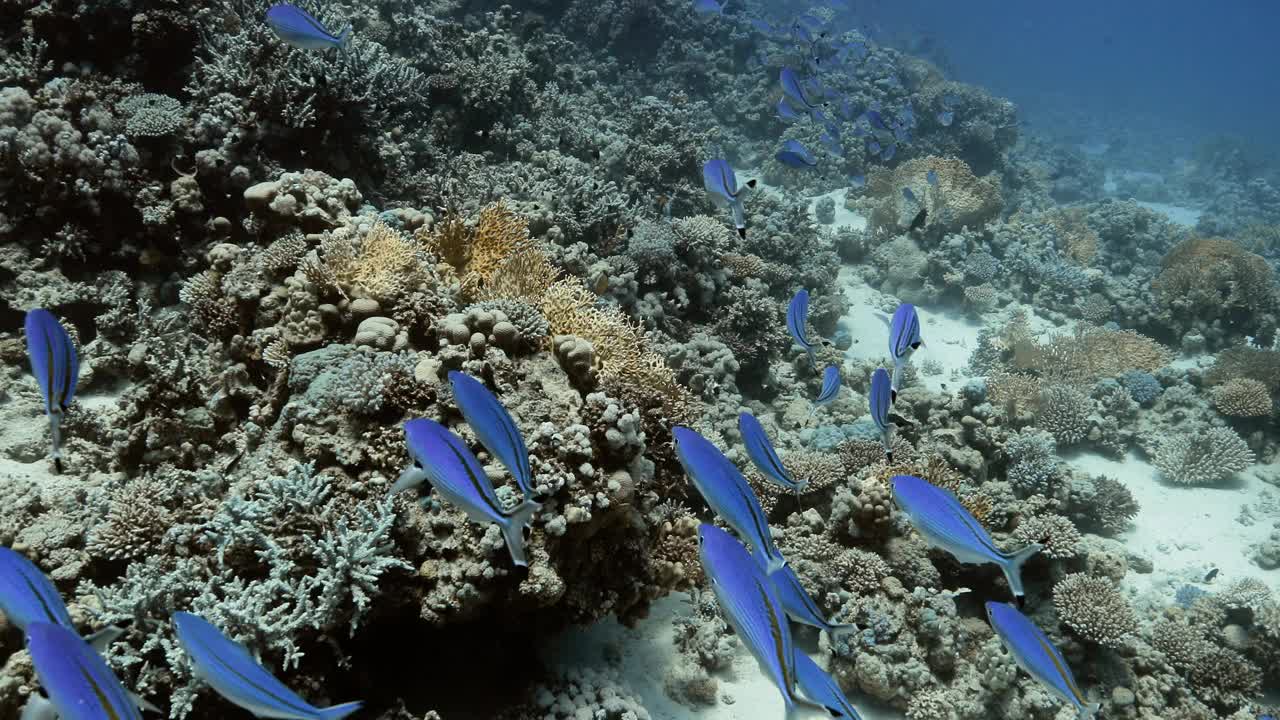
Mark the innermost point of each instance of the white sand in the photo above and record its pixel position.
(1186, 530)
(844, 216)
(949, 338)
(648, 651)
(1185, 216)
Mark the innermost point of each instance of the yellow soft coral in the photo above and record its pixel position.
(478, 253)
(957, 199)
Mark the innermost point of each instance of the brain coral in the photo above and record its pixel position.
(1204, 459)
(957, 199)
(1094, 609)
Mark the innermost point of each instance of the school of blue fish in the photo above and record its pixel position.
(758, 592)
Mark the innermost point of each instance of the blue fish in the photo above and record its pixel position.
(946, 117)
(904, 340)
(298, 28)
(444, 460)
(858, 180)
(818, 685)
(873, 117)
(795, 155)
(944, 523)
(873, 146)
(764, 456)
(932, 177)
(801, 608)
(28, 596)
(56, 366)
(752, 609)
(230, 670)
(908, 195)
(794, 89)
(722, 184)
(762, 26)
(797, 324)
(1033, 652)
(76, 679)
(709, 7)
(889, 151)
(830, 388)
(881, 399)
(786, 113)
(847, 110)
(493, 427)
(831, 144)
(727, 492)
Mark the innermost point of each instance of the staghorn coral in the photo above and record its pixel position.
(1242, 397)
(1204, 458)
(1094, 609)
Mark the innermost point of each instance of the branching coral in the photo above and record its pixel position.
(1088, 354)
(1064, 413)
(958, 198)
(1207, 278)
(1205, 458)
(1058, 535)
(1094, 609)
(1242, 397)
(384, 265)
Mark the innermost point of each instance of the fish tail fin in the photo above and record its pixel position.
(412, 476)
(336, 712)
(1088, 711)
(1012, 566)
(344, 44)
(513, 530)
(55, 432)
(801, 709)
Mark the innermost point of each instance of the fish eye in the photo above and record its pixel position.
(915, 346)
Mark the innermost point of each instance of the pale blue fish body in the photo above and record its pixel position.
(1039, 657)
(764, 456)
(56, 367)
(721, 184)
(751, 608)
(229, 668)
(799, 604)
(709, 7)
(830, 388)
(944, 523)
(300, 29)
(881, 399)
(27, 595)
(818, 686)
(904, 340)
(453, 470)
(493, 427)
(75, 678)
(797, 324)
(796, 155)
(724, 488)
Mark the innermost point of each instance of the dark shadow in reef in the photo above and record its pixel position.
(471, 670)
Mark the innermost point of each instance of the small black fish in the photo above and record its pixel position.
(918, 221)
(1209, 576)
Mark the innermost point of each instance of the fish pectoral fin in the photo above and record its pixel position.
(142, 703)
(102, 639)
(413, 476)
